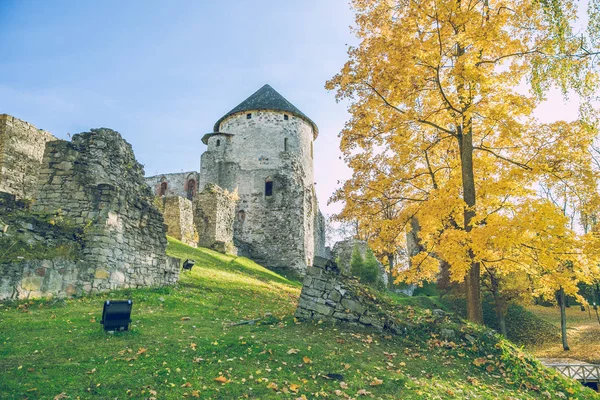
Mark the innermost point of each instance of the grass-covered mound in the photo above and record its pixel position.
(523, 327)
(183, 345)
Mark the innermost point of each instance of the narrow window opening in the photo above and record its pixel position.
(285, 117)
(218, 142)
(191, 189)
(285, 144)
(241, 215)
(269, 188)
(163, 189)
(248, 116)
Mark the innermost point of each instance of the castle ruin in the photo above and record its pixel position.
(262, 150)
(83, 222)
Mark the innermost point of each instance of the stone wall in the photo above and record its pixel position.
(214, 211)
(320, 232)
(21, 151)
(329, 295)
(45, 278)
(183, 184)
(179, 217)
(96, 182)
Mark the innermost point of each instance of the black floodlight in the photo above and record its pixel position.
(188, 264)
(116, 315)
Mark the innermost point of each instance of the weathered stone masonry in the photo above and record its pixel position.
(214, 210)
(178, 214)
(329, 295)
(96, 182)
(21, 151)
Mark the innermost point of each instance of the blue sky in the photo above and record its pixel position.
(162, 72)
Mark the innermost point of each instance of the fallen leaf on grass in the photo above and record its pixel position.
(294, 388)
(185, 318)
(293, 351)
(306, 360)
(187, 384)
(376, 382)
(142, 350)
(92, 371)
(60, 396)
(363, 392)
(479, 361)
(221, 379)
(195, 393)
(193, 346)
(272, 385)
(343, 385)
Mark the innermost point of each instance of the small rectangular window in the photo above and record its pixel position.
(268, 188)
(285, 117)
(284, 144)
(248, 116)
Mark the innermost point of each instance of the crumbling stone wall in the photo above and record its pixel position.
(96, 182)
(45, 278)
(320, 227)
(21, 151)
(214, 211)
(179, 217)
(329, 295)
(184, 184)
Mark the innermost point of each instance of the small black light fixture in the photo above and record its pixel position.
(116, 315)
(582, 307)
(188, 264)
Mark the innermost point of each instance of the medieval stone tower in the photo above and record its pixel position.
(263, 148)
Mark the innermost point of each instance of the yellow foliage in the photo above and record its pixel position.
(441, 132)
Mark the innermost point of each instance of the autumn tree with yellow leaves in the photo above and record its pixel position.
(442, 132)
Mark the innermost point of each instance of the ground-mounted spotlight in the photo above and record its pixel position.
(582, 308)
(116, 315)
(188, 264)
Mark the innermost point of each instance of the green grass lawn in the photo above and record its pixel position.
(182, 344)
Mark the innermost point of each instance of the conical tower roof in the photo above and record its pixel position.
(267, 98)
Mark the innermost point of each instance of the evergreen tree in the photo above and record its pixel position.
(370, 273)
(356, 262)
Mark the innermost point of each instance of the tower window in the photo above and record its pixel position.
(241, 215)
(163, 189)
(218, 142)
(284, 144)
(285, 117)
(191, 189)
(269, 188)
(248, 116)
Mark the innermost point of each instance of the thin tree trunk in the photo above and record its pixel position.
(472, 279)
(563, 318)
(499, 305)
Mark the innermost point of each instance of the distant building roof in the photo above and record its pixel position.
(267, 98)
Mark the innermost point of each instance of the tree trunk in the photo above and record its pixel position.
(563, 318)
(472, 279)
(499, 305)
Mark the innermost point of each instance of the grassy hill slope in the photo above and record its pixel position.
(183, 344)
